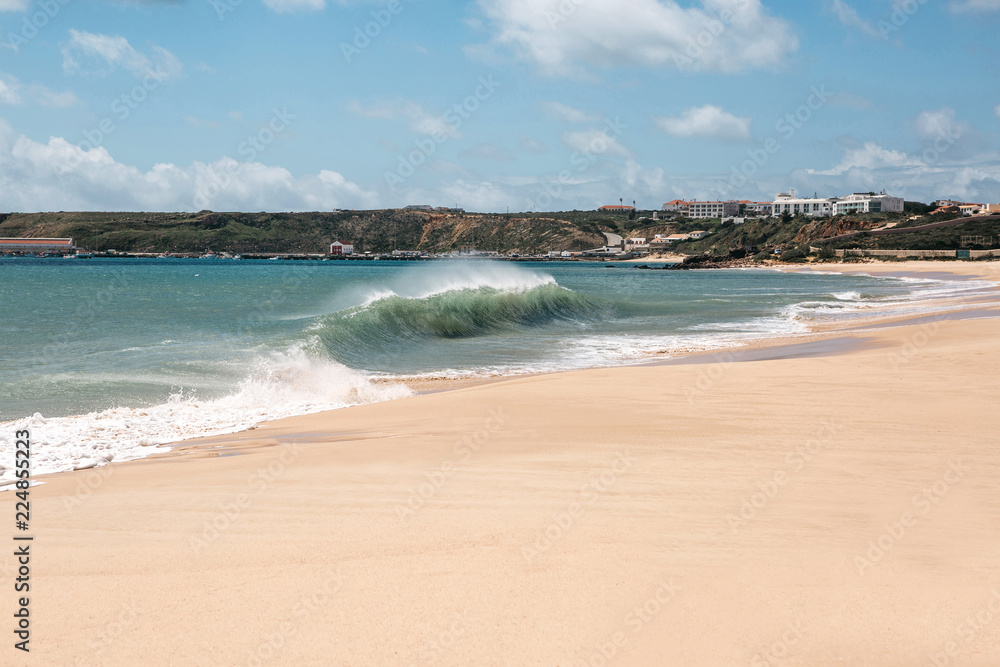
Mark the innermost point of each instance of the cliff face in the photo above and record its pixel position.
(374, 231)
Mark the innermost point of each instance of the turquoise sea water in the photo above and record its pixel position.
(109, 358)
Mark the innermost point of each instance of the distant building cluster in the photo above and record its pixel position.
(436, 209)
(862, 202)
(964, 208)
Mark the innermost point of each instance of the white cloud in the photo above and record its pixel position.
(419, 120)
(567, 37)
(708, 121)
(930, 125)
(482, 196)
(567, 114)
(8, 91)
(850, 18)
(14, 5)
(290, 6)
(911, 178)
(61, 176)
(870, 156)
(594, 142)
(975, 6)
(13, 92)
(997, 110)
(50, 98)
(99, 55)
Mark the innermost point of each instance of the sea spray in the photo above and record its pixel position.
(277, 386)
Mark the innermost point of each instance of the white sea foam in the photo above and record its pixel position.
(454, 277)
(280, 385)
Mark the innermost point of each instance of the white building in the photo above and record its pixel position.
(700, 234)
(339, 248)
(789, 203)
(636, 244)
(869, 202)
(675, 205)
(662, 242)
(760, 209)
(713, 209)
(859, 202)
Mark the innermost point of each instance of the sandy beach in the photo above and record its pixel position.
(833, 508)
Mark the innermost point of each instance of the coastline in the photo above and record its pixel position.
(818, 331)
(525, 520)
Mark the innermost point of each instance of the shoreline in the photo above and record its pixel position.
(832, 510)
(818, 331)
(812, 340)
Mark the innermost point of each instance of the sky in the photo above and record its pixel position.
(492, 105)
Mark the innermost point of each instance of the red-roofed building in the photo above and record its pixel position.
(616, 208)
(36, 245)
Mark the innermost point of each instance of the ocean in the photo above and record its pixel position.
(111, 359)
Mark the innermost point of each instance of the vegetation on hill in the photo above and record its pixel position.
(374, 231)
(522, 233)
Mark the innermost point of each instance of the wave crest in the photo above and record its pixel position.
(460, 313)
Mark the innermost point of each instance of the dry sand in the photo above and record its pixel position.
(830, 510)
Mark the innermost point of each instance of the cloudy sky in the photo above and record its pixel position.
(488, 104)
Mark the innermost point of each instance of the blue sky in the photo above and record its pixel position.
(527, 104)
